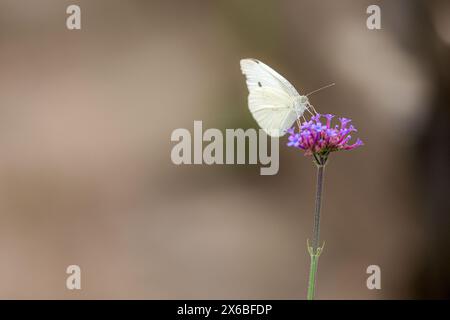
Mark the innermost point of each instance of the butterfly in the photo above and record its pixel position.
(274, 103)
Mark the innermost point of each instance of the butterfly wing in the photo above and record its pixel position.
(261, 75)
(272, 99)
(272, 110)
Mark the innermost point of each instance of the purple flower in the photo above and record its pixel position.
(294, 140)
(318, 139)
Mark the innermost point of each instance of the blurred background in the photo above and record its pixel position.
(86, 176)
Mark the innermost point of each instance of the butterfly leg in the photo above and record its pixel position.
(313, 109)
(307, 109)
(298, 121)
(304, 119)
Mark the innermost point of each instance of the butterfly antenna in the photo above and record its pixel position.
(324, 87)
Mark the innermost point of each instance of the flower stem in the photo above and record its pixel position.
(312, 277)
(315, 250)
(319, 189)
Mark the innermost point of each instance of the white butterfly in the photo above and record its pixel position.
(272, 100)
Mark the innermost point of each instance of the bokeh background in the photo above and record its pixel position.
(86, 176)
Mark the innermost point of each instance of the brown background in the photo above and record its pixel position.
(85, 170)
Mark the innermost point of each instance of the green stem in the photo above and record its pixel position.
(319, 190)
(312, 278)
(315, 250)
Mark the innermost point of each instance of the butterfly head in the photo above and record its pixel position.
(304, 100)
(303, 104)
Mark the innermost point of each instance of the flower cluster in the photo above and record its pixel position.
(316, 138)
